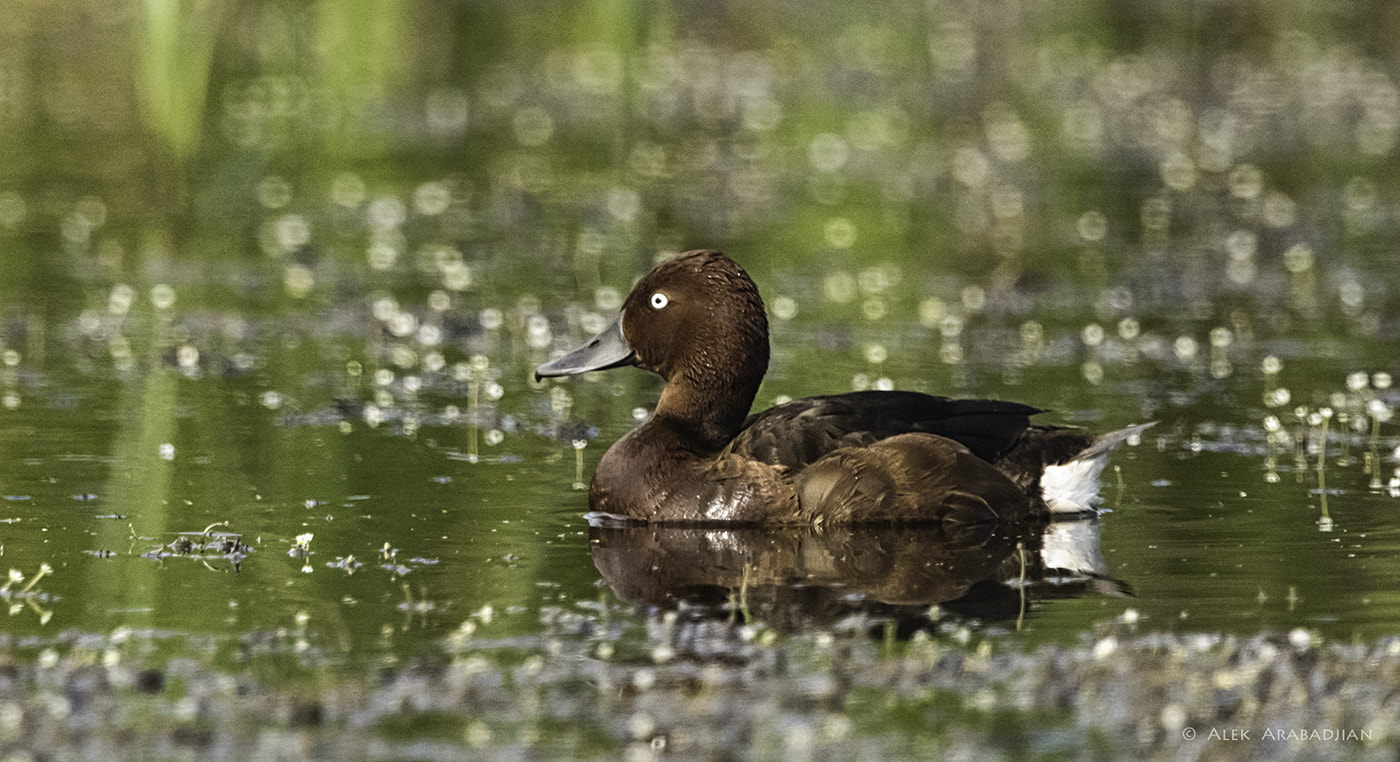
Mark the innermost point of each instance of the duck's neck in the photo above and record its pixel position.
(705, 418)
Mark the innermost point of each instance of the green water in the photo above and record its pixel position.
(277, 277)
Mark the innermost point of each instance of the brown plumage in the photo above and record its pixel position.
(864, 457)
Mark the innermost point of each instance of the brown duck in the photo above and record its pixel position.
(862, 457)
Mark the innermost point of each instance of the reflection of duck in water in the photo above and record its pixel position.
(863, 457)
(795, 577)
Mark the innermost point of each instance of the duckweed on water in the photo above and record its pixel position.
(306, 299)
(701, 688)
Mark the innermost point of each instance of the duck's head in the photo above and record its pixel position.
(698, 322)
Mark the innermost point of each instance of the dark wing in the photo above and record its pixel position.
(799, 432)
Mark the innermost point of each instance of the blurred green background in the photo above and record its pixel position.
(984, 138)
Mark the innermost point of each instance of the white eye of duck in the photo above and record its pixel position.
(659, 300)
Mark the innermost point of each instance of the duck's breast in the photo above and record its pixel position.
(646, 477)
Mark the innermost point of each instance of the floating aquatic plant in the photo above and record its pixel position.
(27, 595)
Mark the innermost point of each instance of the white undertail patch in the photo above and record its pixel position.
(1073, 487)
